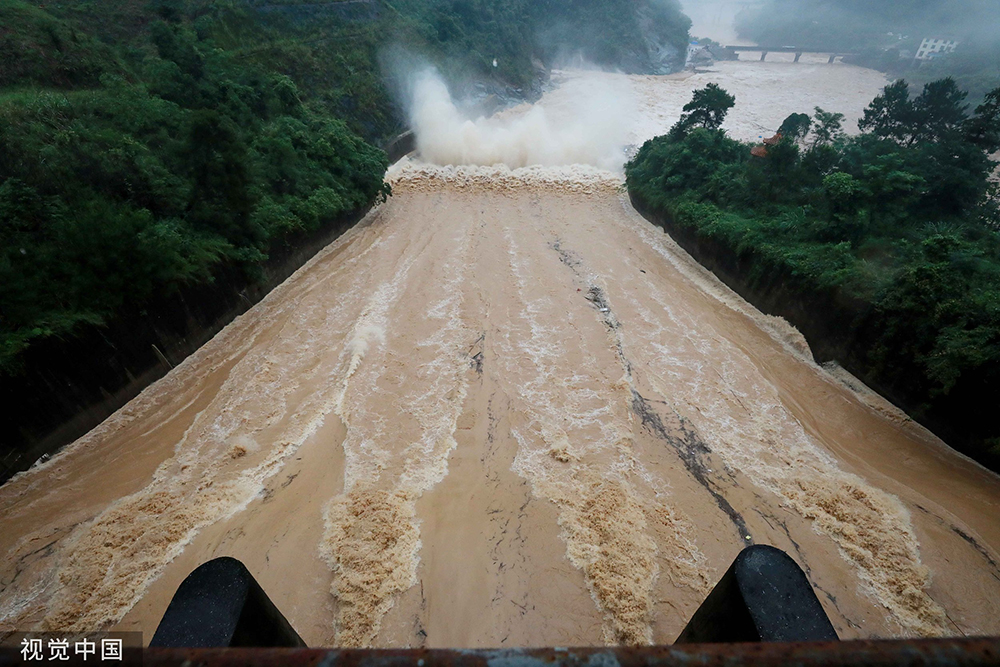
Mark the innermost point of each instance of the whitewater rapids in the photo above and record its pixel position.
(505, 410)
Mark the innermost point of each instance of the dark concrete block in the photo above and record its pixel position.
(763, 597)
(220, 604)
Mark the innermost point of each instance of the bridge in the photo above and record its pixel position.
(734, 51)
(356, 11)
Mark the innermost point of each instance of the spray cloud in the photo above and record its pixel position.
(585, 123)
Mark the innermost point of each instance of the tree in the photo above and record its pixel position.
(828, 127)
(938, 111)
(935, 114)
(844, 197)
(178, 45)
(983, 129)
(708, 108)
(796, 126)
(221, 200)
(169, 10)
(782, 159)
(892, 190)
(890, 115)
(843, 192)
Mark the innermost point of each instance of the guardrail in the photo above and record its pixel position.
(890, 653)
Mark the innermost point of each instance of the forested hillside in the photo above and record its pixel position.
(879, 30)
(150, 147)
(127, 172)
(883, 248)
(145, 142)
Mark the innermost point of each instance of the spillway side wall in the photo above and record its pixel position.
(75, 383)
(837, 327)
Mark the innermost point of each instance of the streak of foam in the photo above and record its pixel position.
(397, 447)
(234, 340)
(741, 416)
(778, 328)
(371, 543)
(408, 175)
(370, 328)
(221, 463)
(17, 605)
(365, 453)
(606, 519)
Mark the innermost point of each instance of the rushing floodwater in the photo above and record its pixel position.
(505, 410)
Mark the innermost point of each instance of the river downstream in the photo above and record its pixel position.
(505, 410)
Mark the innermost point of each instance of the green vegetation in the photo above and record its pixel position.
(148, 144)
(881, 31)
(890, 240)
(616, 33)
(342, 63)
(707, 109)
(134, 172)
(36, 48)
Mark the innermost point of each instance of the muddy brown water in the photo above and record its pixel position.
(505, 410)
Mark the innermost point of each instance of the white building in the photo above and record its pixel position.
(931, 48)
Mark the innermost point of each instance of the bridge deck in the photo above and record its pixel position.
(786, 49)
(735, 50)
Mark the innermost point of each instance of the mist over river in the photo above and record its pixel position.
(506, 410)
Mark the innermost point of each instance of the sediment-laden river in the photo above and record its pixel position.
(505, 410)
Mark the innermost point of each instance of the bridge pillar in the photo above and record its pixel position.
(798, 54)
(763, 54)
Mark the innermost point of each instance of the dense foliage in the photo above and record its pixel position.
(483, 47)
(895, 230)
(880, 31)
(146, 143)
(646, 36)
(707, 108)
(148, 169)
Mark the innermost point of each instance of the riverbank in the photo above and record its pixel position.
(76, 383)
(839, 324)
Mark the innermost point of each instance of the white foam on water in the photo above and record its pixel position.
(742, 418)
(371, 536)
(414, 175)
(220, 464)
(233, 341)
(588, 127)
(575, 449)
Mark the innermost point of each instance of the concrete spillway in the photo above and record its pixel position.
(505, 410)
